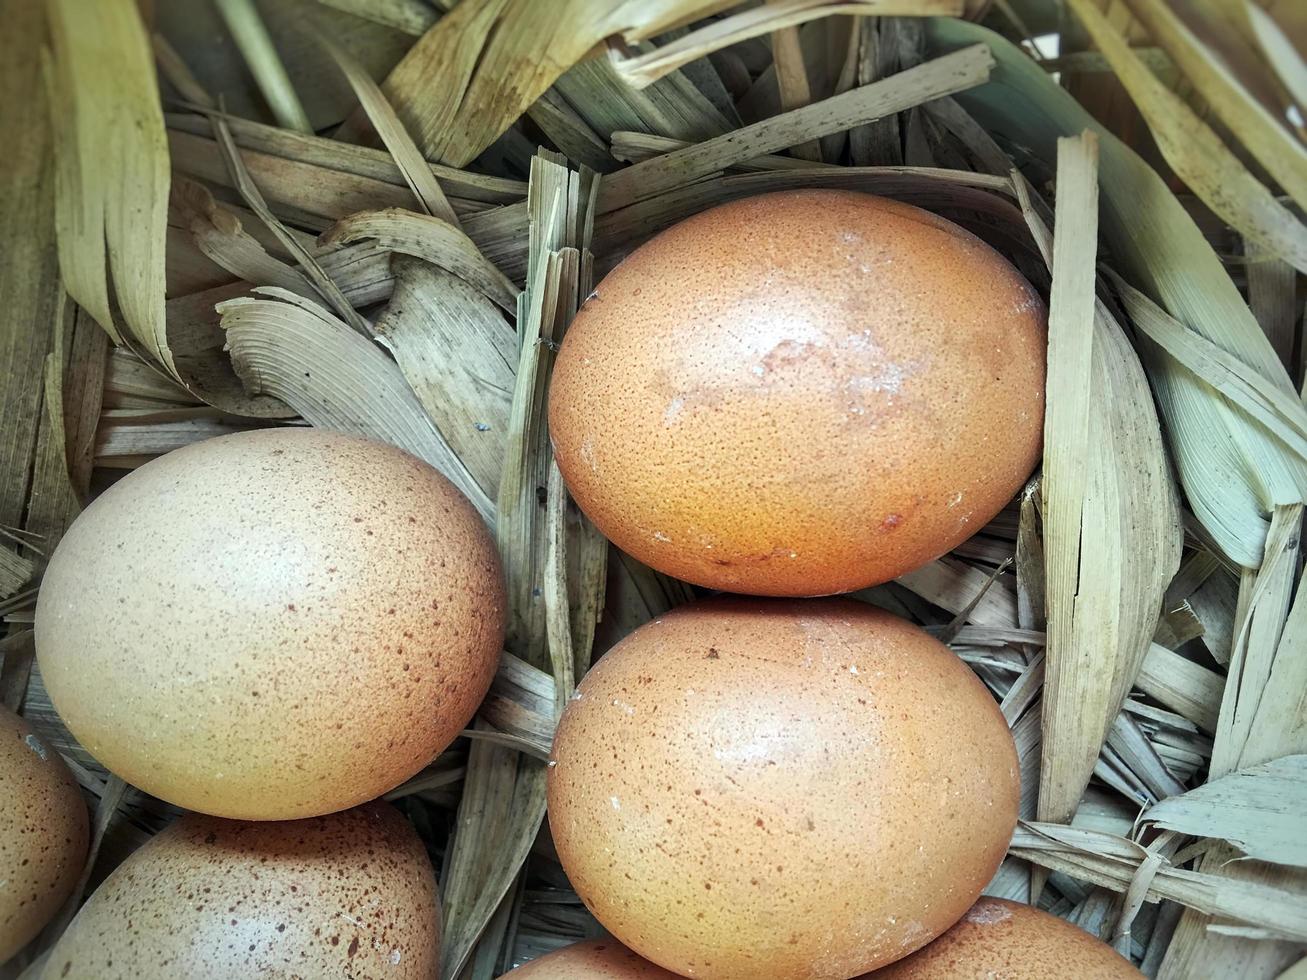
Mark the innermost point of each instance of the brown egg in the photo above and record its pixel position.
(346, 895)
(43, 833)
(789, 789)
(1000, 940)
(272, 625)
(801, 393)
(594, 959)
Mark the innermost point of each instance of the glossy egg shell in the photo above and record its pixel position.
(801, 393)
(594, 959)
(1001, 940)
(790, 789)
(43, 833)
(351, 894)
(272, 625)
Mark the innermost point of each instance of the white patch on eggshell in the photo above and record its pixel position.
(987, 913)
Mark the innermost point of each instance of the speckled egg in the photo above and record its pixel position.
(43, 833)
(346, 895)
(272, 625)
(791, 789)
(594, 959)
(801, 393)
(1001, 940)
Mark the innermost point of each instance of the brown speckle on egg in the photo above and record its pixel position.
(1011, 941)
(351, 894)
(801, 393)
(594, 959)
(43, 833)
(228, 626)
(826, 795)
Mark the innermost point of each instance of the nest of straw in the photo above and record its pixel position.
(379, 216)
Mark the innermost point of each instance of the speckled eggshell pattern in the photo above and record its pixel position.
(346, 895)
(1001, 940)
(790, 789)
(594, 959)
(272, 625)
(801, 393)
(43, 833)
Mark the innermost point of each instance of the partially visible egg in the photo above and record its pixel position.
(272, 625)
(43, 833)
(790, 789)
(801, 393)
(594, 959)
(1001, 940)
(351, 894)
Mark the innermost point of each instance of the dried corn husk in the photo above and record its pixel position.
(1231, 472)
(1258, 809)
(111, 168)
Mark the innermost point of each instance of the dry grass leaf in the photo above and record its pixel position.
(362, 272)
(1261, 719)
(488, 850)
(791, 74)
(776, 17)
(1256, 722)
(324, 285)
(635, 147)
(308, 193)
(1064, 772)
(464, 188)
(29, 272)
(410, 16)
(1256, 129)
(218, 233)
(564, 127)
(452, 89)
(459, 355)
(416, 173)
(1188, 688)
(619, 231)
(1112, 536)
(1273, 298)
(1280, 51)
(946, 75)
(256, 47)
(15, 571)
(111, 168)
(1198, 155)
(954, 585)
(1279, 411)
(293, 349)
(431, 239)
(1111, 861)
(1232, 472)
(1258, 809)
(456, 93)
(74, 381)
(178, 74)
(599, 96)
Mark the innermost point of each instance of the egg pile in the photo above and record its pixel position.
(776, 398)
(269, 629)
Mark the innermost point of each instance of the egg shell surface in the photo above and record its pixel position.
(1002, 940)
(801, 393)
(790, 789)
(594, 959)
(350, 894)
(43, 833)
(272, 625)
